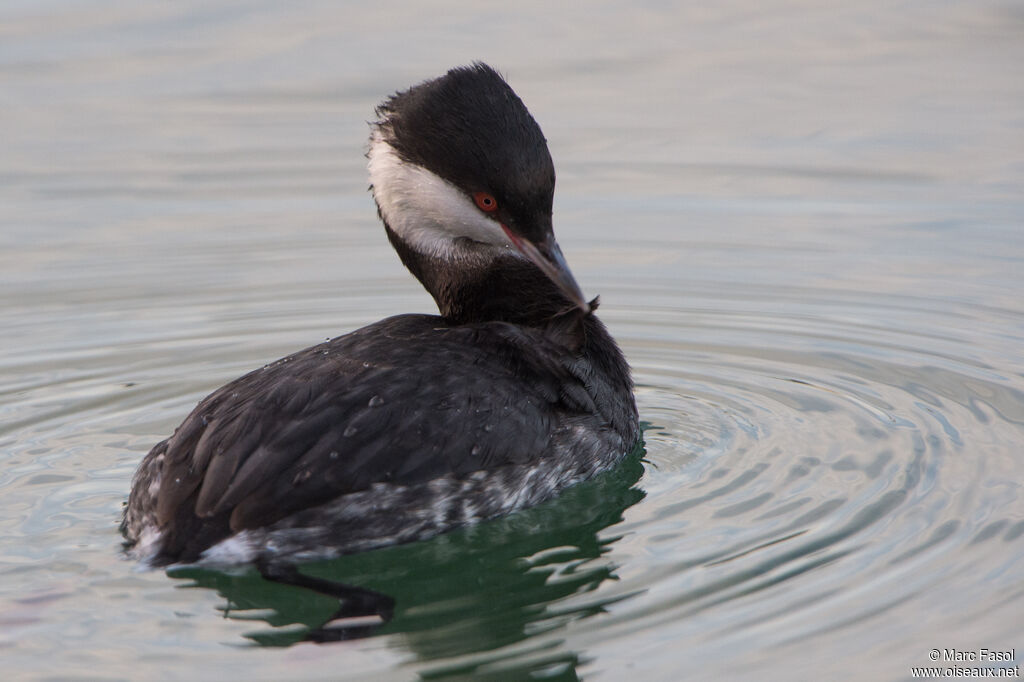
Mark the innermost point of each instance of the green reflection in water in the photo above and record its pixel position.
(476, 589)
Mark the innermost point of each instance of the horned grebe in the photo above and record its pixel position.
(416, 424)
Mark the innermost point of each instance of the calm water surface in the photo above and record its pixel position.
(806, 223)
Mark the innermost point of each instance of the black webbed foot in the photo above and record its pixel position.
(360, 611)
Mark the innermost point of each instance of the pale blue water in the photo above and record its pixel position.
(806, 224)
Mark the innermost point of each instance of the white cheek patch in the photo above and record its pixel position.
(425, 210)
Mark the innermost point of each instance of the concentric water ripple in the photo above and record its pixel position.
(832, 475)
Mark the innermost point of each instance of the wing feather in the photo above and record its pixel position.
(341, 416)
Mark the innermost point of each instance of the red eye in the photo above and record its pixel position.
(485, 202)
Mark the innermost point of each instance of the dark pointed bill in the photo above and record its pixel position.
(548, 257)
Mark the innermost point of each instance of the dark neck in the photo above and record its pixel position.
(509, 289)
(481, 288)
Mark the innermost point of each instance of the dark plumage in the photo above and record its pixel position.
(415, 424)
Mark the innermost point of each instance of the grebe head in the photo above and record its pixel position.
(462, 178)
